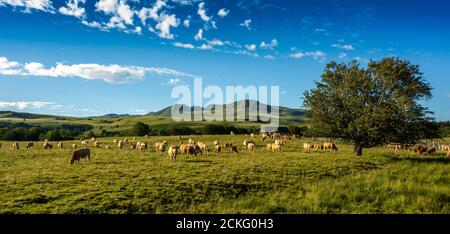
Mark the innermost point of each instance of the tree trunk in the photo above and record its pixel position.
(358, 149)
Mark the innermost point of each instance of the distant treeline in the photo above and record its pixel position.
(26, 132)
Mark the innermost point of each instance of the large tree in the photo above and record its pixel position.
(370, 105)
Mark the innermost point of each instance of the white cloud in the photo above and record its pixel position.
(320, 30)
(223, 12)
(182, 45)
(245, 52)
(24, 105)
(121, 12)
(247, 24)
(269, 57)
(152, 13)
(202, 12)
(73, 8)
(125, 13)
(343, 47)
(205, 47)
(186, 23)
(108, 73)
(107, 6)
(28, 5)
(217, 42)
(316, 55)
(342, 55)
(164, 25)
(270, 46)
(297, 55)
(251, 47)
(199, 35)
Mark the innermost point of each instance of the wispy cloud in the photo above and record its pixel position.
(29, 5)
(246, 24)
(25, 105)
(316, 55)
(343, 47)
(34, 105)
(109, 73)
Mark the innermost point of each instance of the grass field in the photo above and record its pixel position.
(126, 181)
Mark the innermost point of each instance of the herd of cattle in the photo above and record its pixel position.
(420, 148)
(193, 148)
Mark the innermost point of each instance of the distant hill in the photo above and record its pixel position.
(293, 115)
(22, 115)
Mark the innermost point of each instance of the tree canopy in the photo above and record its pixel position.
(370, 105)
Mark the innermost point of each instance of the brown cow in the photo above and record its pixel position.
(47, 145)
(30, 145)
(84, 153)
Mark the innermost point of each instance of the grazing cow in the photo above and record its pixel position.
(93, 139)
(84, 143)
(30, 145)
(307, 147)
(191, 150)
(120, 144)
(190, 141)
(0, 145)
(448, 153)
(445, 147)
(60, 145)
(420, 149)
(279, 142)
(217, 148)
(184, 149)
(228, 145)
(74, 146)
(232, 133)
(142, 146)
(133, 146)
(202, 147)
(234, 149)
(161, 146)
(264, 136)
(107, 147)
(115, 141)
(329, 146)
(96, 144)
(318, 147)
(84, 153)
(276, 148)
(216, 142)
(431, 151)
(252, 135)
(125, 141)
(15, 146)
(47, 145)
(172, 152)
(251, 146)
(134, 138)
(269, 147)
(146, 136)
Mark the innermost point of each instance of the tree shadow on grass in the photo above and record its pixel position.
(420, 159)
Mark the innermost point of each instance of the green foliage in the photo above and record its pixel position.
(372, 105)
(139, 129)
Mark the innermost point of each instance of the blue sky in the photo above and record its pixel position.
(94, 57)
